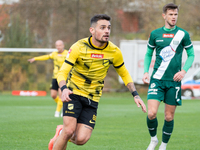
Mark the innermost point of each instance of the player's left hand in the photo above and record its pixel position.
(179, 76)
(139, 103)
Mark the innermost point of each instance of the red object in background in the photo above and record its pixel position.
(29, 93)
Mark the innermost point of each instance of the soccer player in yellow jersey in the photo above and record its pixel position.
(89, 59)
(58, 59)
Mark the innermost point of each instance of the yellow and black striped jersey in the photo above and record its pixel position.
(58, 59)
(90, 66)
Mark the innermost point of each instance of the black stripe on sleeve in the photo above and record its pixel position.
(69, 63)
(119, 65)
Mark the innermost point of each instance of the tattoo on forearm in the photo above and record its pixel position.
(137, 96)
(131, 87)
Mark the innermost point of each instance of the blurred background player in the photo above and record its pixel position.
(165, 84)
(58, 59)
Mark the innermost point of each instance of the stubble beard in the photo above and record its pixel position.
(171, 24)
(101, 40)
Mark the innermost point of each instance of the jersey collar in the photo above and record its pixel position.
(166, 29)
(95, 47)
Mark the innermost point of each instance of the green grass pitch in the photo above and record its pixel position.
(28, 123)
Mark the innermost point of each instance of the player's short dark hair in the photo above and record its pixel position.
(169, 6)
(98, 17)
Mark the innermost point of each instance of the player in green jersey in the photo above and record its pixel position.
(58, 57)
(89, 59)
(165, 84)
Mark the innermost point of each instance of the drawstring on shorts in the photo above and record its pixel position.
(89, 101)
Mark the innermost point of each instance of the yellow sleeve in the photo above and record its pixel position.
(70, 60)
(63, 72)
(120, 68)
(43, 57)
(52, 55)
(118, 58)
(124, 74)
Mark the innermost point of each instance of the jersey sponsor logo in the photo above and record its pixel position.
(70, 106)
(97, 55)
(168, 35)
(167, 53)
(159, 40)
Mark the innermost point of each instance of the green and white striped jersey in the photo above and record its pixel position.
(169, 45)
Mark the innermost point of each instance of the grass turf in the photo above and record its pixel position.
(28, 123)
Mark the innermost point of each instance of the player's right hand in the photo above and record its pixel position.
(145, 78)
(139, 103)
(65, 95)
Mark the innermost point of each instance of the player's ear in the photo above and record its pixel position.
(91, 29)
(163, 15)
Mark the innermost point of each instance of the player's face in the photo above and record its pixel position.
(59, 46)
(101, 31)
(171, 17)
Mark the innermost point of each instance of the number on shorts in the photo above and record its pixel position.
(177, 90)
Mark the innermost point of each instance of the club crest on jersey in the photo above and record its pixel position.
(70, 106)
(105, 62)
(168, 35)
(100, 56)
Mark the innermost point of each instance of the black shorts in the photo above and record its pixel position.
(54, 85)
(81, 108)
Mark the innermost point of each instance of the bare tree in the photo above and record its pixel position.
(69, 20)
